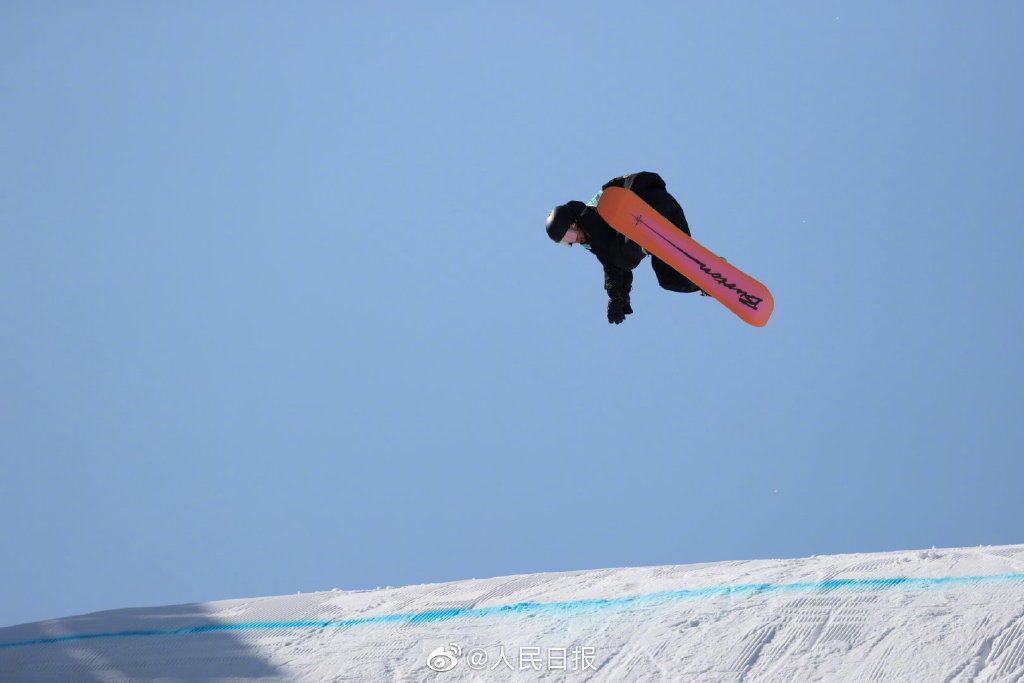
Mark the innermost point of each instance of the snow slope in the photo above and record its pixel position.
(933, 615)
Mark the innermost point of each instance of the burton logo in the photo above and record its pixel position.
(745, 298)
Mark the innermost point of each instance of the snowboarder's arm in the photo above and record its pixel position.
(618, 282)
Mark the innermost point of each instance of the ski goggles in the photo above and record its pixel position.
(572, 236)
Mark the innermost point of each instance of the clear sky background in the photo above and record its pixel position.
(278, 311)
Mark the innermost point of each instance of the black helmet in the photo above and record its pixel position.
(561, 217)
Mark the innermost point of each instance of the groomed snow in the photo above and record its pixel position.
(932, 615)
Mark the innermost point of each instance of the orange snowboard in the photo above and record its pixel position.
(740, 293)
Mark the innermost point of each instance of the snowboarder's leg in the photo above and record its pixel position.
(671, 279)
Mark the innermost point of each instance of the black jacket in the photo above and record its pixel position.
(620, 255)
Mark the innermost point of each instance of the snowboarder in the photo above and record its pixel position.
(579, 223)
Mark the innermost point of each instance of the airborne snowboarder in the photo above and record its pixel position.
(579, 223)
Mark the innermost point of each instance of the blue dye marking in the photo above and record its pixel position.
(571, 606)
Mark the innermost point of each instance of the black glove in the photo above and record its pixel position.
(618, 309)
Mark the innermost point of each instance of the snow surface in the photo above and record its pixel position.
(933, 615)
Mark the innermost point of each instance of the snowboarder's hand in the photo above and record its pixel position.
(618, 308)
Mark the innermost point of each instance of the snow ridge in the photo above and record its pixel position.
(943, 615)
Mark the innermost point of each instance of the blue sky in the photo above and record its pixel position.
(280, 313)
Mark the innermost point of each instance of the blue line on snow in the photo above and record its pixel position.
(565, 606)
